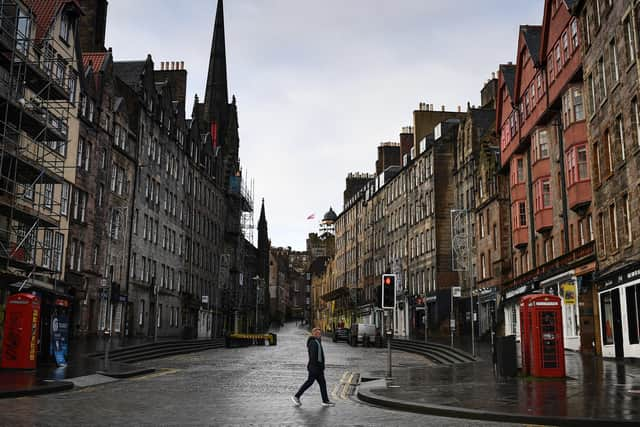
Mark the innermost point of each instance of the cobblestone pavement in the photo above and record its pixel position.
(243, 386)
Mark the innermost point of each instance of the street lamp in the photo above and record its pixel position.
(107, 277)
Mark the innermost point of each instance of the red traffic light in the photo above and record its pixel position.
(387, 280)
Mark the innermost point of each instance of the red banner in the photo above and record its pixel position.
(214, 135)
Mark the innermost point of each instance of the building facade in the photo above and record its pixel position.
(609, 47)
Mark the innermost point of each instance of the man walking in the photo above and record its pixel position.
(315, 368)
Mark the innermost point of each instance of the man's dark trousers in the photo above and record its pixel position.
(315, 374)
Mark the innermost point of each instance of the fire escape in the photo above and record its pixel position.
(34, 108)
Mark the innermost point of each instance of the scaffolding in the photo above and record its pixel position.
(246, 218)
(37, 88)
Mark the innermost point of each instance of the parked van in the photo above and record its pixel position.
(362, 329)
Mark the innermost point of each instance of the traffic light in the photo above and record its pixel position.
(389, 291)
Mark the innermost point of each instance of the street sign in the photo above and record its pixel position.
(456, 291)
(205, 299)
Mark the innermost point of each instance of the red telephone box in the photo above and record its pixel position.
(525, 335)
(21, 328)
(542, 327)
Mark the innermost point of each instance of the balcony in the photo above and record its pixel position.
(543, 220)
(520, 237)
(579, 196)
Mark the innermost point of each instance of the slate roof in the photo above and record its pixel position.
(509, 73)
(532, 37)
(129, 71)
(483, 118)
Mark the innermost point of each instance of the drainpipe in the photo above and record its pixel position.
(565, 212)
(532, 231)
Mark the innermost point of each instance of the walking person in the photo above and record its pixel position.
(316, 370)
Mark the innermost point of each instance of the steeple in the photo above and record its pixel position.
(216, 97)
(262, 222)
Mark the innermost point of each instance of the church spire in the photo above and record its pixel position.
(262, 222)
(216, 96)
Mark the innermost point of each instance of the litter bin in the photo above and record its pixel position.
(507, 357)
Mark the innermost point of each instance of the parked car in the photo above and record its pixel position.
(359, 330)
(341, 334)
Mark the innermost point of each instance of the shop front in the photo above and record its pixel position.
(619, 308)
(565, 286)
(486, 311)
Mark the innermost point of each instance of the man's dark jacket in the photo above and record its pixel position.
(312, 347)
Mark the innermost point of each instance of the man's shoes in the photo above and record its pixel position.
(296, 401)
(328, 404)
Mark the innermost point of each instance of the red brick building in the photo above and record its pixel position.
(543, 145)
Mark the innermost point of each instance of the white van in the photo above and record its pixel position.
(362, 329)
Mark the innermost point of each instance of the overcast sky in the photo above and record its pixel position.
(319, 84)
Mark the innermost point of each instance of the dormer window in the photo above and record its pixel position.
(23, 33)
(65, 27)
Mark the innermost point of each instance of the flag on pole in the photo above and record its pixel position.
(312, 216)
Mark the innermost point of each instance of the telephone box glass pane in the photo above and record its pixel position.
(549, 348)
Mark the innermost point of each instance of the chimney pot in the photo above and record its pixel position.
(443, 108)
(459, 109)
(493, 75)
(182, 65)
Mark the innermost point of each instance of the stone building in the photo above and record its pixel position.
(468, 188)
(493, 231)
(609, 37)
(544, 149)
(39, 103)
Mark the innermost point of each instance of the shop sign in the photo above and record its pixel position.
(59, 338)
(584, 269)
(568, 292)
(517, 291)
(623, 278)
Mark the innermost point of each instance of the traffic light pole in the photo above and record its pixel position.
(389, 332)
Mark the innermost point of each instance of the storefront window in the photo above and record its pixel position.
(568, 294)
(607, 318)
(633, 320)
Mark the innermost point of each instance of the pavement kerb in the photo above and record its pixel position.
(127, 374)
(366, 395)
(47, 388)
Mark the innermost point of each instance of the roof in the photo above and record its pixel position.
(570, 3)
(129, 71)
(532, 36)
(46, 11)
(330, 216)
(95, 59)
(509, 74)
(483, 118)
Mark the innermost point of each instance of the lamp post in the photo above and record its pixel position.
(107, 278)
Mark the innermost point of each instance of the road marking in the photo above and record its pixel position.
(159, 373)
